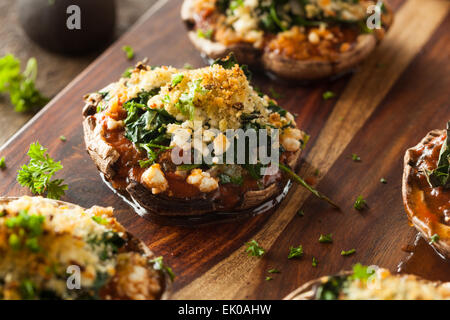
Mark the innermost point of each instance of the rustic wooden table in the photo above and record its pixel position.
(55, 71)
(394, 98)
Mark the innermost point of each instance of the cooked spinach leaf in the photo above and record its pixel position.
(440, 177)
(331, 289)
(147, 128)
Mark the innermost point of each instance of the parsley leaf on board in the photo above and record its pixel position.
(37, 174)
(254, 249)
(326, 238)
(129, 52)
(348, 252)
(360, 203)
(295, 252)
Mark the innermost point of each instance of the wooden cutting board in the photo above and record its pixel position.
(399, 94)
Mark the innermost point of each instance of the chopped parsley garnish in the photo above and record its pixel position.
(356, 158)
(186, 101)
(295, 252)
(326, 238)
(348, 252)
(176, 79)
(38, 173)
(158, 264)
(2, 163)
(127, 72)
(269, 278)
(254, 249)
(20, 86)
(100, 220)
(434, 238)
(361, 272)
(360, 203)
(383, 180)
(63, 138)
(314, 262)
(328, 95)
(206, 34)
(300, 213)
(274, 271)
(26, 230)
(188, 66)
(129, 52)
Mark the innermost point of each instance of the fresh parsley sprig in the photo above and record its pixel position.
(37, 174)
(20, 86)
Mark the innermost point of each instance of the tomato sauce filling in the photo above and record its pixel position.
(127, 168)
(431, 204)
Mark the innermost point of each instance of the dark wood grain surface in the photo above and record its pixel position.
(386, 106)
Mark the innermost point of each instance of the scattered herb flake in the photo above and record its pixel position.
(300, 213)
(356, 158)
(348, 252)
(360, 203)
(100, 220)
(2, 163)
(326, 238)
(295, 252)
(127, 72)
(274, 271)
(188, 66)
(269, 278)
(361, 272)
(314, 262)
(177, 78)
(63, 138)
(328, 95)
(205, 34)
(129, 52)
(254, 249)
(383, 180)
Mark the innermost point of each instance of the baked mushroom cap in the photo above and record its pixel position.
(284, 66)
(229, 101)
(381, 285)
(46, 241)
(413, 196)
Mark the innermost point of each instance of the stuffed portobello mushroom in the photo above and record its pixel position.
(293, 39)
(371, 283)
(55, 250)
(134, 129)
(426, 188)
